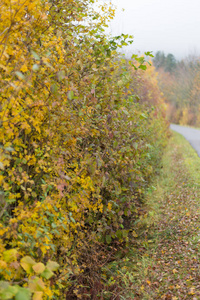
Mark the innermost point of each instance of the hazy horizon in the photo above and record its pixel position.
(171, 27)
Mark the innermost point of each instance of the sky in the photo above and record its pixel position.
(172, 26)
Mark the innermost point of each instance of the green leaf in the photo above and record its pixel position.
(6, 295)
(134, 56)
(23, 294)
(149, 53)
(10, 149)
(7, 291)
(143, 116)
(125, 111)
(11, 200)
(4, 285)
(108, 239)
(70, 95)
(47, 273)
(52, 265)
(135, 145)
(53, 225)
(141, 60)
(72, 219)
(119, 234)
(143, 67)
(20, 75)
(13, 289)
(61, 75)
(38, 234)
(35, 67)
(125, 233)
(54, 88)
(35, 55)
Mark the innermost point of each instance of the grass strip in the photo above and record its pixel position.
(165, 261)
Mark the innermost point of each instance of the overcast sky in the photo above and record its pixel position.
(169, 25)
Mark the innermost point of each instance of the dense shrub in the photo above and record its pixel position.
(77, 150)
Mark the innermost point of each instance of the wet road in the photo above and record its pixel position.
(191, 134)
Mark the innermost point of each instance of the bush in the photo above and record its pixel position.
(77, 151)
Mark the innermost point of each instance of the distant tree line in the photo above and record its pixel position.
(168, 63)
(180, 83)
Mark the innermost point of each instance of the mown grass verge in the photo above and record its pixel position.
(164, 263)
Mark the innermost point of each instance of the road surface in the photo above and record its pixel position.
(191, 134)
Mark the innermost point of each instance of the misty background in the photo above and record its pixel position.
(171, 26)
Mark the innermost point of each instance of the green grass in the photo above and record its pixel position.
(165, 260)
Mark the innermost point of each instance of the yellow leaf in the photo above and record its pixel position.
(27, 263)
(149, 282)
(39, 268)
(1, 178)
(192, 291)
(36, 285)
(3, 67)
(37, 295)
(134, 234)
(109, 206)
(24, 68)
(10, 255)
(3, 264)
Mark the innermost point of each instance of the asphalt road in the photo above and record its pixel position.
(191, 134)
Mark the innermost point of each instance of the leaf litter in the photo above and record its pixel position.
(168, 263)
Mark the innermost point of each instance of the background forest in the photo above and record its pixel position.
(179, 82)
(82, 132)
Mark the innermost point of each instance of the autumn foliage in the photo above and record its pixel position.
(180, 89)
(77, 149)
